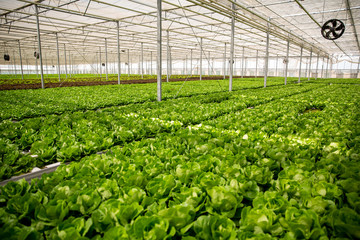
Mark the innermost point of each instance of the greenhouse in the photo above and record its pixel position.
(180, 119)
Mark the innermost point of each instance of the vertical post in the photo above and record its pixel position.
(322, 67)
(209, 64)
(331, 66)
(106, 61)
(327, 67)
(276, 65)
(170, 60)
(66, 73)
(58, 57)
(14, 64)
(243, 62)
(267, 53)
(245, 67)
(142, 60)
(167, 57)
(100, 62)
(39, 46)
(201, 40)
(317, 66)
(159, 70)
(70, 61)
(118, 51)
(151, 68)
(232, 40)
(21, 64)
(128, 57)
(191, 61)
(287, 59)
(301, 52)
(358, 68)
(186, 65)
(256, 63)
(46, 69)
(310, 65)
(224, 64)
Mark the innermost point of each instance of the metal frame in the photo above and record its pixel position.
(186, 21)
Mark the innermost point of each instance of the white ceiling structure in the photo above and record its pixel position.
(83, 25)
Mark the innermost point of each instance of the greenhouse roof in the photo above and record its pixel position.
(83, 26)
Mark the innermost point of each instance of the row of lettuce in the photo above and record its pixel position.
(54, 78)
(286, 168)
(39, 141)
(19, 104)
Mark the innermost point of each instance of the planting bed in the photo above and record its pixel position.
(258, 163)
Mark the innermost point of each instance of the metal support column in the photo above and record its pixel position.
(106, 61)
(191, 61)
(39, 46)
(301, 52)
(209, 67)
(201, 40)
(276, 65)
(267, 53)
(159, 30)
(232, 41)
(14, 63)
(100, 62)
(118, 51)
(243, 62)
(167, 57)
(66, 73)
(327, 67)
(322, 67)
(151, 68)
(256, 64)
(224, 65)
(21, 64)
(128, 62)
(70, 61)
(358, 69)
(310, 65)
(142, 60)
(317, 67)
(170, 59)
(58, 56)
(287, 59)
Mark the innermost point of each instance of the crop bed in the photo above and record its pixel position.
(258, 163)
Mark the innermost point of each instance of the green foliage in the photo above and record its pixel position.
(204, 167)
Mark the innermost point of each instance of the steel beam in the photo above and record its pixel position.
(167, 56)
(39, 46)
(267, 54)
(159, 50)
(310, 65)
(317, 67)
(224, 65)
(118, 50)
(242, 62)
(21, 64)
(142, 60)
(232, 42)
(301, 52)
(106, 61)
(201, 53)
(256, 63)
(66, 73)
(58, 56)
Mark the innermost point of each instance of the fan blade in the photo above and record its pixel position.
(336, 35)
(340, 27)
(334, 22)
(328, 34)
(326, 27)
